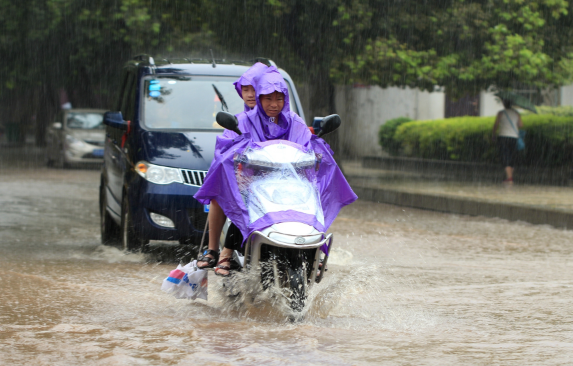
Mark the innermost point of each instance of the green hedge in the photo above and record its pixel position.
(387, 132)
(564, 111)
(549, 139)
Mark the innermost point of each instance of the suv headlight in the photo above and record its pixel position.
(158, 174)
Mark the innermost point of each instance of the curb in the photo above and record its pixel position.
(512, 212)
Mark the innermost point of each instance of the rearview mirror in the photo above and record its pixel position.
(329, 124)
(114, 120)
(228, 122)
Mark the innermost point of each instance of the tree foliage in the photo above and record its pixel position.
(462, 45)
(386, 135)
(79, 43)
(79, 46)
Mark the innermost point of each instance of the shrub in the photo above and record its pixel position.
(549, 139)
(564, 111)
(386, 135)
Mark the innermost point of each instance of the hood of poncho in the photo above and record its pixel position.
(268, 83)
(249, 77)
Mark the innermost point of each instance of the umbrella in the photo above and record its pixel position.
(517, 100)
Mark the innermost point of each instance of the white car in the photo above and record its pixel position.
(77, 136)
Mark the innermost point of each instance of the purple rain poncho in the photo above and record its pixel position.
(221, 183)
(249, 77)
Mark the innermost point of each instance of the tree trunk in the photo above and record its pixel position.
(322, 104)
(46, 109)
(19, 106)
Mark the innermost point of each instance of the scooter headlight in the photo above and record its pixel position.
(158, 174)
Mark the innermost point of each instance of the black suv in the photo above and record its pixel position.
(159, 144)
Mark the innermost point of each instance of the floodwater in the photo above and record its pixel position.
(404, 287)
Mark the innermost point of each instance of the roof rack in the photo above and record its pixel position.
(147, 59)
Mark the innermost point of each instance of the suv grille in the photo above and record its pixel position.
(193, 177)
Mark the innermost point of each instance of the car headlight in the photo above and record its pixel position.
(161, 220)
(74, 142)
(158, 174)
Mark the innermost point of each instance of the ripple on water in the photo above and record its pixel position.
(110, 254)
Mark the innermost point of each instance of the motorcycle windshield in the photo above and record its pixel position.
(278, 176)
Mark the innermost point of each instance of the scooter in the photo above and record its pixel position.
(278, 176)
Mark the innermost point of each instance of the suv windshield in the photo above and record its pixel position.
(86, 121)
(188, 102)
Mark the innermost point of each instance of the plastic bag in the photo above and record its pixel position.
(187, 282)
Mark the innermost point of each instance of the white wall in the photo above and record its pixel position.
(567, 95)
(489, 104)
(363, 110)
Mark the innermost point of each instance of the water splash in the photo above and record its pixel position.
(353, 296)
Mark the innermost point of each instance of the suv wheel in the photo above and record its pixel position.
(110, 233)
(129, 241)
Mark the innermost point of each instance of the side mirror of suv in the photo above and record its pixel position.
(114, 120)
(329, 124)
(57, 125)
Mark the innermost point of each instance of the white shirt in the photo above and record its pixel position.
(505, 125)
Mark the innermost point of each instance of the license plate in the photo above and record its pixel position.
(97, 152)
(206, 208)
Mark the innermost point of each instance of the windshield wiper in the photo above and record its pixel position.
(221, 98)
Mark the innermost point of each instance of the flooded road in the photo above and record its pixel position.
(404, 287)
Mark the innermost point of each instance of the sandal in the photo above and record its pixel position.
(210, 261)
(320, 268)
(221, 265)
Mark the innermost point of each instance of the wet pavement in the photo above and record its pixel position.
(405, 286)
(551, 197)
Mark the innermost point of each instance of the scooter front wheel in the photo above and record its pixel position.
(287, 271)
(298, 287)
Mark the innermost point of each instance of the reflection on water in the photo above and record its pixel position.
(404, 287)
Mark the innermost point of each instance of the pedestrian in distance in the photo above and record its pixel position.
(505, 133)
